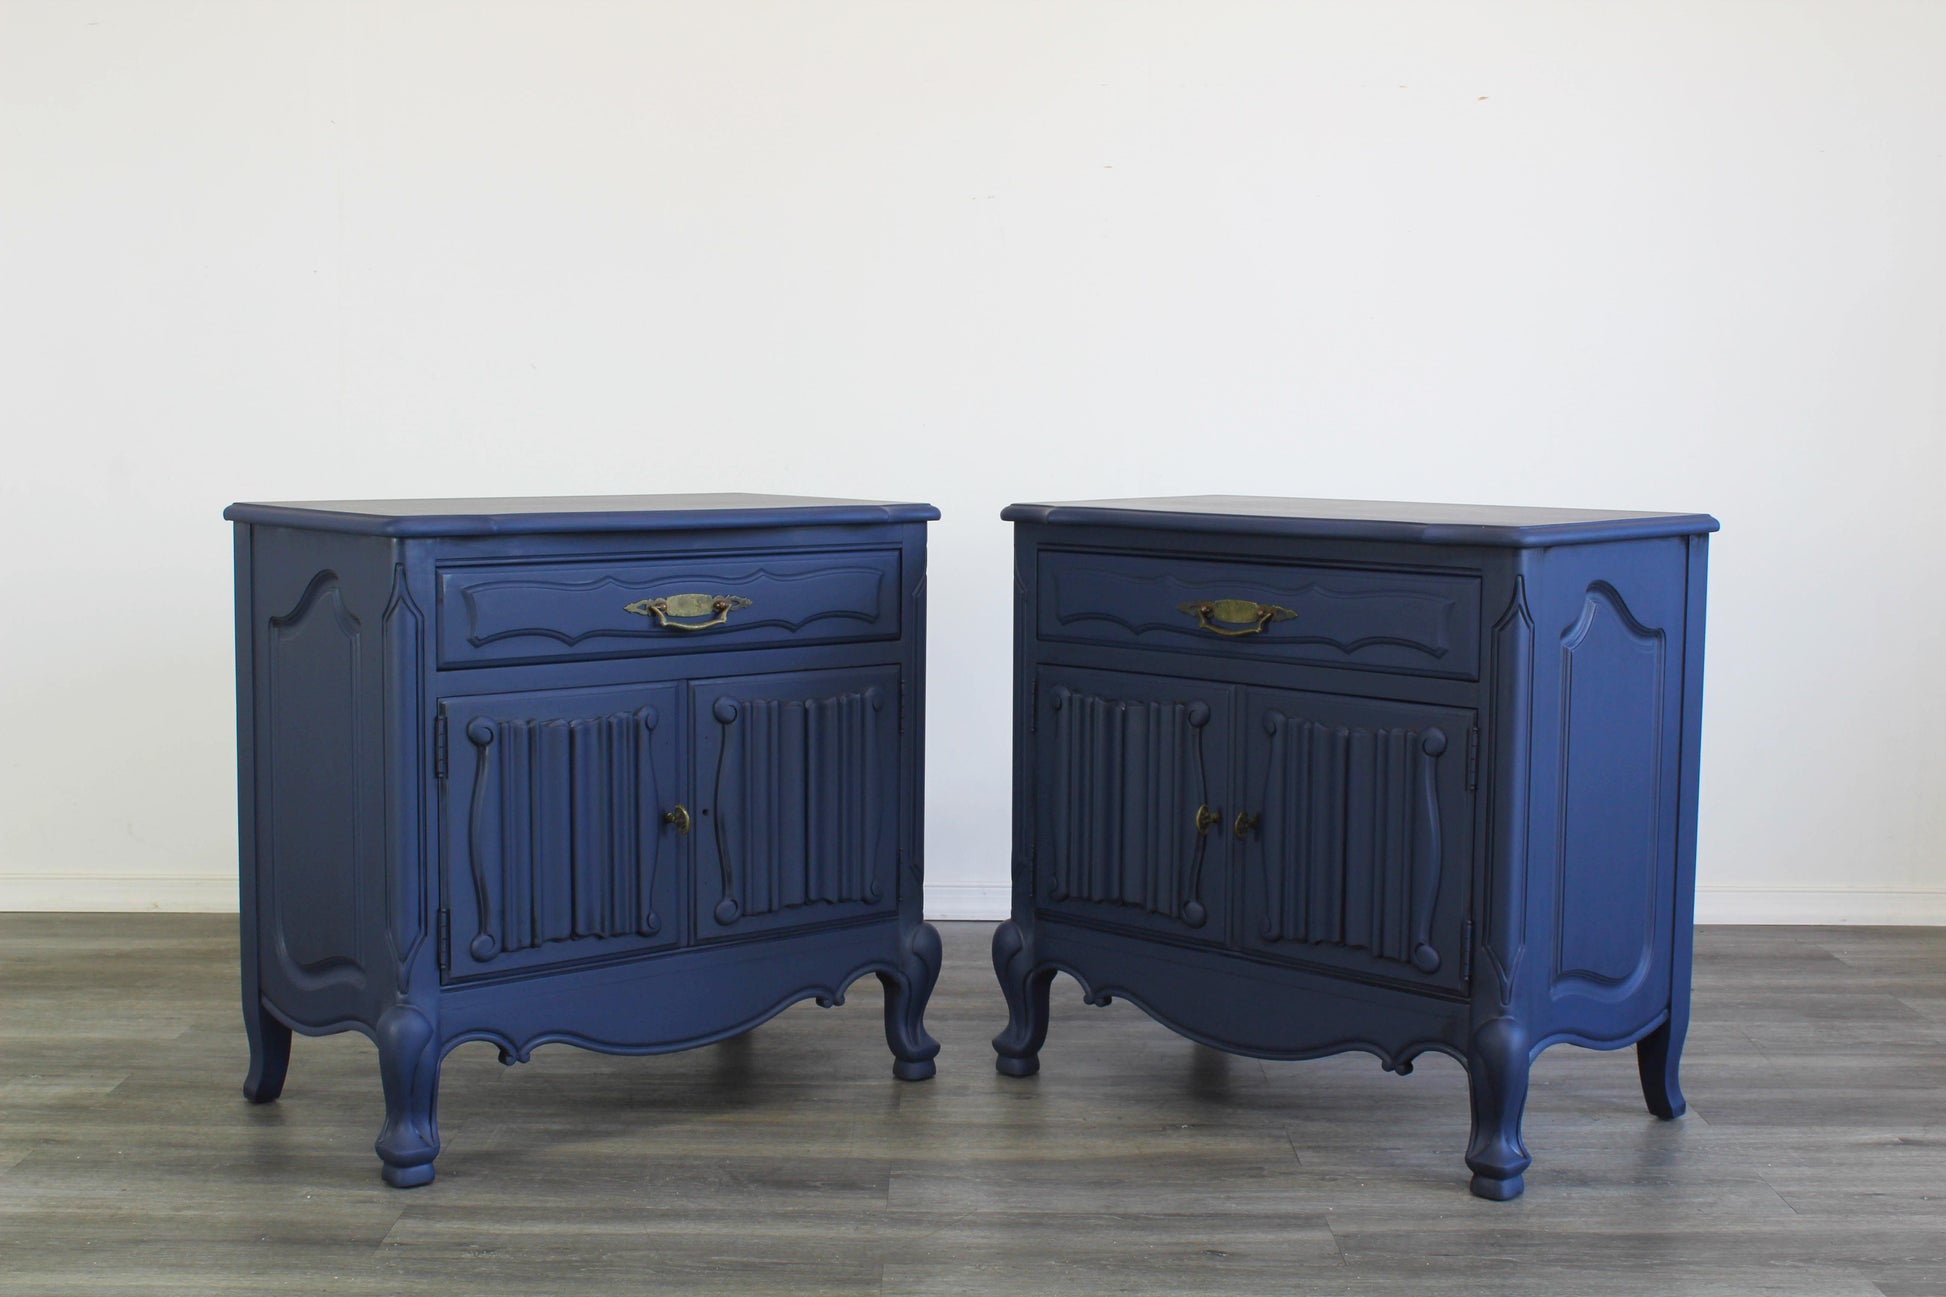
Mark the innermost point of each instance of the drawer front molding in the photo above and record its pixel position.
(533, 612)
(1419, 622)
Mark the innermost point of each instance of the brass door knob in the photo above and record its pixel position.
(1205, 819)
(678, 816)
(1245, 822)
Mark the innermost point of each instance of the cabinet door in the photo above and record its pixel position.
(1130, 792)
(555, 845)
(799, 820)
(1359, 834)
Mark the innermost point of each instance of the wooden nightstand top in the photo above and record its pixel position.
(512, 516)
(1511, 526)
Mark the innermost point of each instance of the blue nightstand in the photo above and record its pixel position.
(628, 773)
(1306, 776)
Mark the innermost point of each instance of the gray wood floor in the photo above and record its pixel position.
(1813, 1160)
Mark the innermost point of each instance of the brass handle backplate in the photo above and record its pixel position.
(1205, 819)
(689, 605)
(1237, 616)
(678, 815)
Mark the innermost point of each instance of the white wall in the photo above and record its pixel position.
(1681, 256)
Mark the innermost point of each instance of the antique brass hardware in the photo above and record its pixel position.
(689, 605)
(1238, 616)
(1205, 817)
(678, 815)
(1245, 822)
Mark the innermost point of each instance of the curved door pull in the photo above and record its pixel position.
(1234, 616)
(689, 605)
(1193, 912)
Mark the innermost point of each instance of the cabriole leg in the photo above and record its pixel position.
(270, 1054)
(1496, 1067)
(1026, 989)
(408, 1064)
(906, 994)
(1658, 1056)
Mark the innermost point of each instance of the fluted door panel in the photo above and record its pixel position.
(1358, 833)
(1130, 826)
(556, 845)
(798, 805)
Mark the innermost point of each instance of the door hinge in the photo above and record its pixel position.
(445, 940)
(1466, 954)
(1472, 758)
(439, 746)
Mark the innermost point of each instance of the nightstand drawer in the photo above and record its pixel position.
(548, 611)
(1425, 623)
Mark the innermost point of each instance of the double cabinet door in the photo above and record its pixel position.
(1313, 828)
(599, 822)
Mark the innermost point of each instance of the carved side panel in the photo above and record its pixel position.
(1610, 833)
(405, 843)
(801, 818)
(557, 845)
(312, 816)
(1503, 940)
(1127, 778)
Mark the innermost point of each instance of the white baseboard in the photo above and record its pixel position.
(1924, 906)
(170, 893)
(1912, 906)
(978, 902)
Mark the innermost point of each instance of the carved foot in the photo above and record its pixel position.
(1658, 1056)
(1019, 1046)
(906, 994)
(1496, 1067)
(408, 1063)
(270, 1055)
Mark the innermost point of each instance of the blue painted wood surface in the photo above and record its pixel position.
(544, 515)
(1448, 803)
(1516, 526)
(479, 800)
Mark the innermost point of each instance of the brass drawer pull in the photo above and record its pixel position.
(689, 605)
(678, 815)
(1239, 616)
